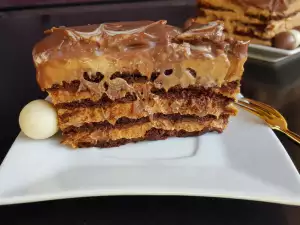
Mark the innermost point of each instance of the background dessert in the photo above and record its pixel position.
(116, 83)
(258, 21)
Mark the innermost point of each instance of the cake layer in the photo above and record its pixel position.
(229, 15)
(200, 106)
(69, 95)
(234, 22)
(139, 47)
(125, 122)
(253, 40)
(243, 33)
(260, 9)
(258, 24)
(139, 131)
(151, 135)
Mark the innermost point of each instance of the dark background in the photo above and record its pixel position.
(22, 24)
(8, 4)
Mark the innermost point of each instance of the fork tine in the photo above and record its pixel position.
(257, 107)
(251, 110)
(254, 107)
(263, 105)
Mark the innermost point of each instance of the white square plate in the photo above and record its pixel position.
(247, 161)
(274, 50)
(270, 54)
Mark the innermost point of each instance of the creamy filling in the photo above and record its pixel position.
(199, 107)
(208, 71)
(237, 22)
(139, 131)
(142, 90)
(265, 8)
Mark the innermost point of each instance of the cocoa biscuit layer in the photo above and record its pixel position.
(106, 102)
(265, 31)
(75, 85)
(140, 130)
(275, 9)
(250, 34)
(230, 33)
(258, 26)
(251, 15)
(194, 92)
(133, 78)
(253, 40)
(103, 102)
(65, 98)
(125, 122)
(151, 135)
(200, 107)
(277, 17)
(234, 23)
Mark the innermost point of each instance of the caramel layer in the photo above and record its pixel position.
(139, 131)
(200, 107)
(68, 94)
(242, 36)
(235, 22)
(125, 122)
(139, 47)
(209, 72)
(266, 8)
(152, 134)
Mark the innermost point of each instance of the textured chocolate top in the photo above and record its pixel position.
(127, 47)
(271, 5)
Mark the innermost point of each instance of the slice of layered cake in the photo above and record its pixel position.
(116, 83)
(258, 21)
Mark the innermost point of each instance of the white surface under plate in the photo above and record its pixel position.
(270, 54)
(247, 161)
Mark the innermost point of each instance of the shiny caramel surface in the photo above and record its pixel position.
(139, 47)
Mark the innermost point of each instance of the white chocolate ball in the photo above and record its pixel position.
(38, 120)
(296, 35)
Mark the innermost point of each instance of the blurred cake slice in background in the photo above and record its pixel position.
(124, 82)
(258, 21)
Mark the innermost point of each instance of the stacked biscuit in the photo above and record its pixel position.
(116, 83)
(258, 21)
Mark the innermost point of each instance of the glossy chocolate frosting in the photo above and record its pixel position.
(134, 47)
(271, 5)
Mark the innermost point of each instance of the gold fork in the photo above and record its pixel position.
(270, 115)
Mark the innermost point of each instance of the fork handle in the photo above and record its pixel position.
(295, 137)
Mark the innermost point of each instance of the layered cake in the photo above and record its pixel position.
(256, 20)
(124, 82)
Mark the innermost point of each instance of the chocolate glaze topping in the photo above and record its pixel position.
(131, 47)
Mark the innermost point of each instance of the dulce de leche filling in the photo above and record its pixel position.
(199, 107)
(198, 56)
(138, 131)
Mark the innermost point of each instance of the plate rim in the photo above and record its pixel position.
(279, 51)
(105, 193)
